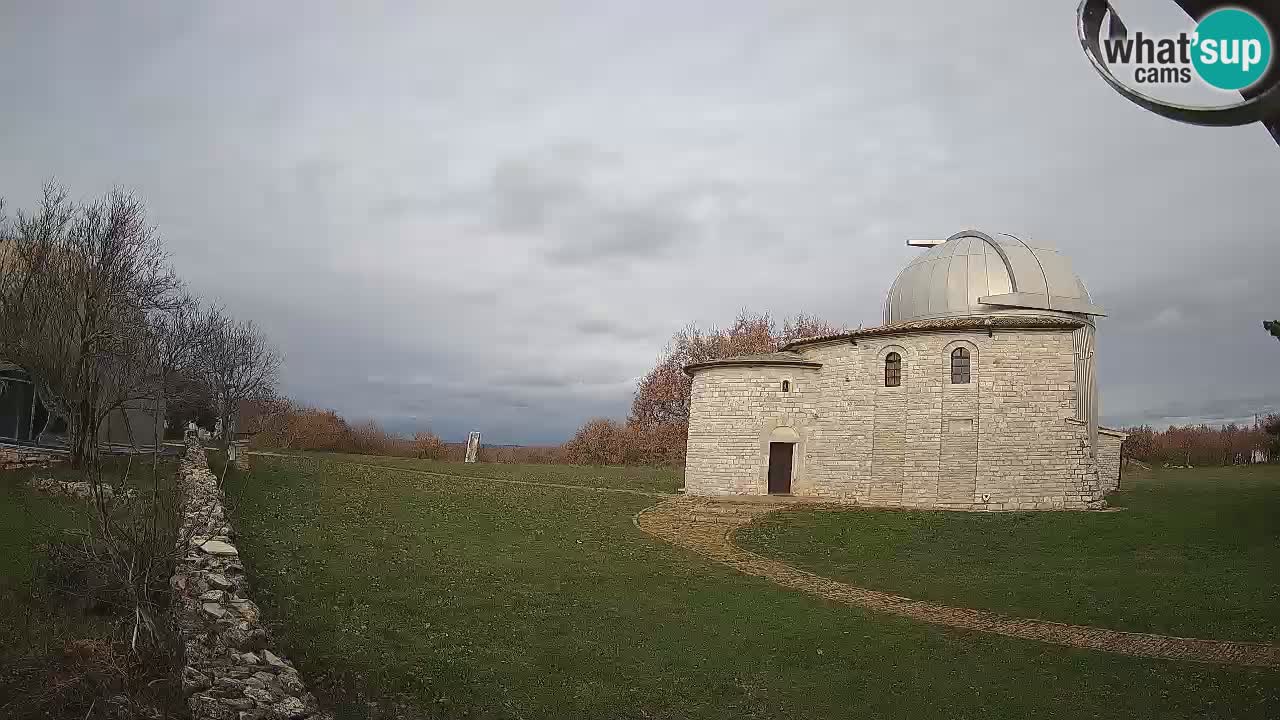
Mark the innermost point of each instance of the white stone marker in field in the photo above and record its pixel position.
(473, 446)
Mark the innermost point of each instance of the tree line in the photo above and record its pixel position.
(282, 424)
(656, 429)
(93, 312)
(1205, 445)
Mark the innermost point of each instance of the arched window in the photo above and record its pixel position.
(960, 366)
(892, 370)
(786, 386)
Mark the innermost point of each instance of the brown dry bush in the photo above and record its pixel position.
(600, 441)
(288, 426)
(368, 438)
(427, 445)
(285, 425)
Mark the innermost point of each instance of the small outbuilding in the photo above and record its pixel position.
(978, 392)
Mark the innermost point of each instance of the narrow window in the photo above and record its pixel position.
(960, 366)
(786, 386)
(892, 370)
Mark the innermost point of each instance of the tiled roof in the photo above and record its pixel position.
(1007, 322)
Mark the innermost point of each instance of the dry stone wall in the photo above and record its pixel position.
(230, 670)
(1004, 441)
(16, 458)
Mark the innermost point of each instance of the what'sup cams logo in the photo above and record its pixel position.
(1230, 48)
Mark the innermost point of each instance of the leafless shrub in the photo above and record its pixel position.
(239, 365)
(286, 425)
(368, 438)
(92, 679)
(429, 446)
(600, 441)
(117, 567)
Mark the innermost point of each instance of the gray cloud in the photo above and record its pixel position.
(569, 196)
(606, 329)
(624, 233)
(492, 217)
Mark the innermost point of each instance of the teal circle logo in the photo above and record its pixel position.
(1232, 49)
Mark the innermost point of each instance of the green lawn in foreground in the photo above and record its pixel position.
(477, 599)
(32, 621)
(649, 479)
(28, 623)
(1193, 553)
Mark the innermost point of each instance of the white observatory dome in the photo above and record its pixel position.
(973, 273)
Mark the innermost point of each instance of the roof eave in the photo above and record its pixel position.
(965, 324)
(692, 368)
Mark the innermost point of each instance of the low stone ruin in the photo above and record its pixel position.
(77, 489)
(16, 458)
(230, 672)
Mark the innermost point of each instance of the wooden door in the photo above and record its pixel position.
(780, 468)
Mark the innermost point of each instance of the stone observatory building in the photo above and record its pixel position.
(977, 393)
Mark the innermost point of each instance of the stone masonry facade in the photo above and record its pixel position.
(1008, 440)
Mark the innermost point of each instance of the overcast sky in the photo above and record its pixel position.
(493, 216)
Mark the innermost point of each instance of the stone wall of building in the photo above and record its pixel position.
(230, 671)
(1001, 442)
(1109, 442)
(732, 412)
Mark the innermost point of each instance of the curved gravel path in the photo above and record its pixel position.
(706, 527)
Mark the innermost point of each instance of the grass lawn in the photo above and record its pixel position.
(27, 522)
(43, 638)
(649, 479)
(1194, 553)
(464, 598)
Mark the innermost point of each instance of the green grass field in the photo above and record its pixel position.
(469, 598)
(648, 479)
(1193, 553)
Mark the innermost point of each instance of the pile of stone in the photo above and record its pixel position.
(230, 673)
(77, 489)
(16, 458)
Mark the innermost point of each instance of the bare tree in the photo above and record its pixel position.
(91, 310)
(180, 335)
(662, 395)
(239, 364)
(77, 307)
